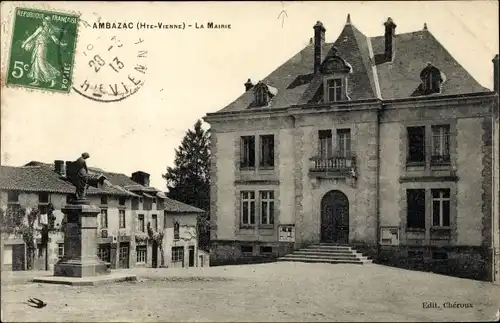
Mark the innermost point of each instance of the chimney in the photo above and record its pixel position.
(70, 171)
(319, 40)
(59, 167)
(141, 178)
(390, 35)
(248, 85)
(496, 77)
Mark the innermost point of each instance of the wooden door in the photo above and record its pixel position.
(335, 217)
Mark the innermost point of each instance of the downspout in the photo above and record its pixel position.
(377, 200)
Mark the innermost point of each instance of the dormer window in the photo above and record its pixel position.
(261, 98)
(432, 79)
(263, 94)
(335, 72)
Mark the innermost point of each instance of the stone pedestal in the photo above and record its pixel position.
(80, 243)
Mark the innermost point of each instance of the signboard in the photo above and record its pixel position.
(286, 233)
(389, 236)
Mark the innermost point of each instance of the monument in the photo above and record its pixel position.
(80, 260)
(80, 236)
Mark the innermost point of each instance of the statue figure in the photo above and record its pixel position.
(82, 176)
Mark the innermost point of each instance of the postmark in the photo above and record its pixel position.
(42, 50)
(110, 69)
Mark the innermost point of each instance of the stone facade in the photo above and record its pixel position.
(378, 197)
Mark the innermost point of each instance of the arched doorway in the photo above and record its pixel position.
(335, 217)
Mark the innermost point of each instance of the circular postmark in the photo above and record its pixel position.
(108, 68)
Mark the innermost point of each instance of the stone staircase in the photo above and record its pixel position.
(327, 253)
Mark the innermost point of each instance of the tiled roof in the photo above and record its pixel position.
(371, 78)
(34, 179)
(42, 178)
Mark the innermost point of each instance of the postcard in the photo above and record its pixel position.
(250, 161)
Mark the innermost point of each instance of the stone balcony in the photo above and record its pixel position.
(333, 167)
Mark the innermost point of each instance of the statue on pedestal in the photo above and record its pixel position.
(82, 176)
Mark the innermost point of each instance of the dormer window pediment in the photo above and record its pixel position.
(432, 80)
(336, 64)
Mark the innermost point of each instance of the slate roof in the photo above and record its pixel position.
(372, 78)
(174, 206)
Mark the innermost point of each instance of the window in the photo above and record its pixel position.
(266, 249)
(154, 218)
(344, 143)
(176, 230)
(431, 80)
(140, 219)
(178, 254)
(43, 206)
(334, 89)
(121, 215)
(153, 207)
(13, 197)
(103, 253)
(68, 199)
(325, 144)
(104, 218)
(440, 144)
(60, 250)
(121, 201)
(246, 249)
(416, 144)
(141, 254)
(247, 152)
(267, 151)
(267, 207)
(104, 200)
(43, 198)
(165, 216)
(440, 207)
(248, 208)
(415, 199)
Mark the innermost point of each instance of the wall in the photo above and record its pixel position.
(187, 238)
(464, 245)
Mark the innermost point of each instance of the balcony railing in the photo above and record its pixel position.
(341, 166)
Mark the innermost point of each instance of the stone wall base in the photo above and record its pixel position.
(228, 252)
(458, 261)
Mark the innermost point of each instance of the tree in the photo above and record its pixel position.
(188, 181)
(20, 222)
(158, 238)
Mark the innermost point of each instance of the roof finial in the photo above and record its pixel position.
(425, 26)
(310, 41)
(348, 21)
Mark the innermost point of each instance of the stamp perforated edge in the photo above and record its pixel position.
(7, 26)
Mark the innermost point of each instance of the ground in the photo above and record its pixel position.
(266, 292)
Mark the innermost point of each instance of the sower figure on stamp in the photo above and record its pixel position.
(41, 70)
(82, 176)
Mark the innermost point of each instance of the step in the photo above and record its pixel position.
(347, 252)
(330, 247)
(324, 257)
(323, 253)
(319, 260)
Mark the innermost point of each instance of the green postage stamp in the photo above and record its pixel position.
(42, 50)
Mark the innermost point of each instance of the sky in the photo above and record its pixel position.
(193, 72)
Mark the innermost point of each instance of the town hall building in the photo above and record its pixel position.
(380, 143)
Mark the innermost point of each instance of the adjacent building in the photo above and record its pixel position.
(129, 206)
(383, 143)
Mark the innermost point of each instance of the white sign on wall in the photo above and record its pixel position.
(389, 236)
(286, 233)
